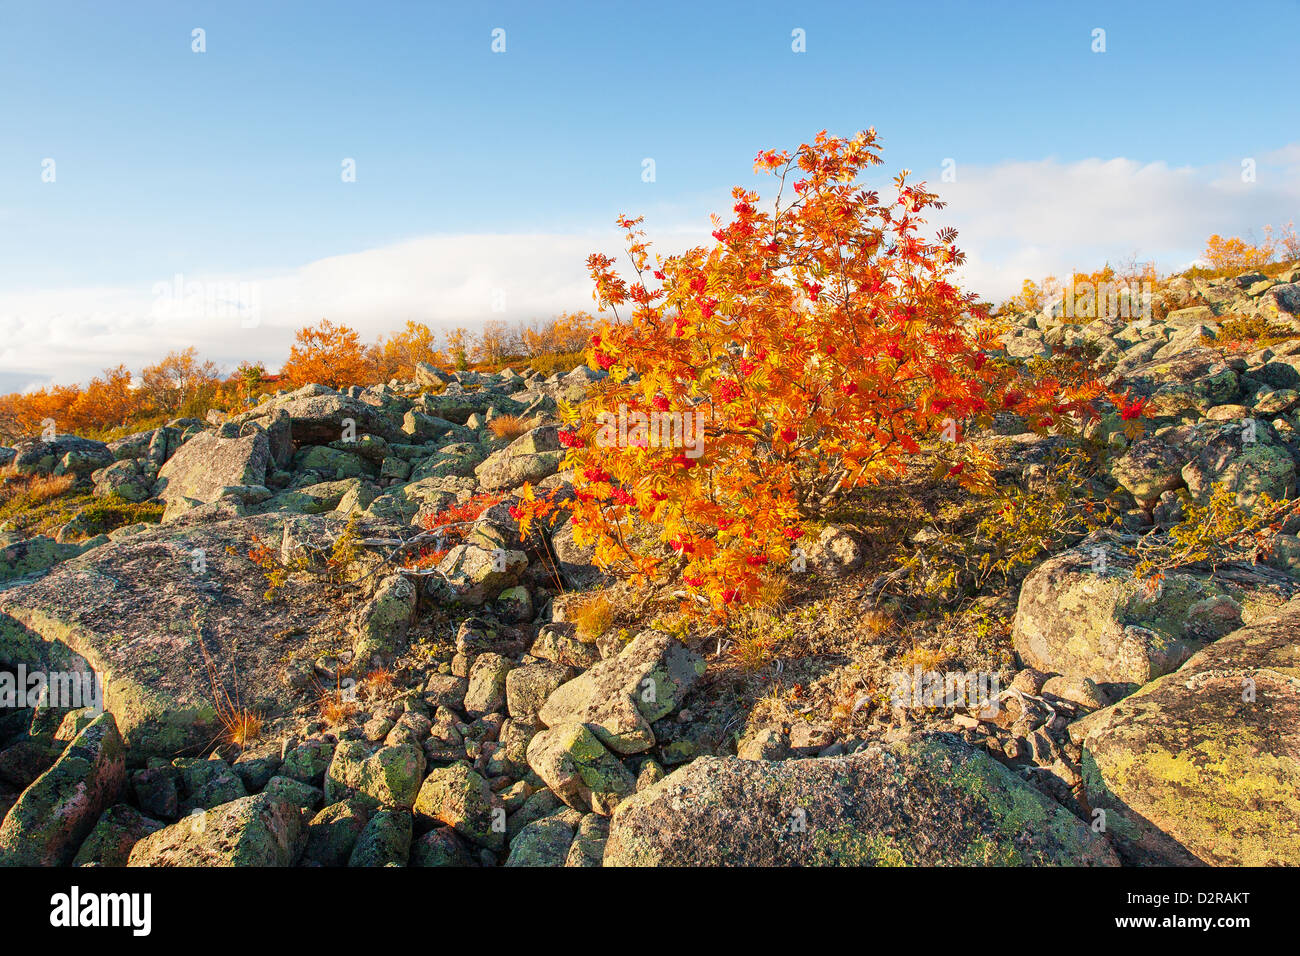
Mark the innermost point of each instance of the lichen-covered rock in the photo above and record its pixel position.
(207, 783)
(575, 562)
(123, 479)
(1084, 613)
(578, 769)
(251, 831)
(389, 777)
(559, 643)
(119, 829)
(766, 743)
(461, 799)
(428, 375)
(1190, 382)
(332, 464)
(157, 790)
(33, 555)
(318, 498)
(332, 834)
(1246, 459)
(446, 690)
(619, 698)
(487, 685)
(63, 454)
(514, 605)
(207, 464)
(531, 457)
(544, 842)
(472, 575)
(440, 847)
(383, 621)
(301, 795)
(1149, 468)
(385, 841)
(54, 815)
(588, 847)
(923, 801)
(308, 760)
(141, 608)
(528, 687)
(319, 416)
(1203, 765)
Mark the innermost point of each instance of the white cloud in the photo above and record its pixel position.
(1016, 220)
(1032, 219)
(444, 281)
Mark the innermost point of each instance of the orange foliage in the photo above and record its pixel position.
(810, 351)
(327, 354)
(397, 354)
(567, 332)
(1235, 253)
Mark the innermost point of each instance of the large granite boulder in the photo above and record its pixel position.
(252, 831)
(1085, 614)
(207, 464)
(923, 801)
(1203, 765)
(56, 813)
(136, 610)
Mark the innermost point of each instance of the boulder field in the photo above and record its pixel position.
(430, 693)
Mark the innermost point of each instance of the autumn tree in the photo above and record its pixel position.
(179, 380)
(249, 378)
(460, 343)
(327, 354)
(565, 333)
(111, 399)
(1236, 253)
(810, 350)
(400, 352)
(24, 416)
(494, 343)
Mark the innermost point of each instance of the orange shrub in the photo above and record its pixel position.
(808, 352)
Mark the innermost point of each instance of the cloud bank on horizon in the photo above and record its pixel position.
(1017, 220)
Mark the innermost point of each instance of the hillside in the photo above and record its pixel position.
(319, 626)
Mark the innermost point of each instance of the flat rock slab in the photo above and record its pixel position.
(134, 610)
(924, 801)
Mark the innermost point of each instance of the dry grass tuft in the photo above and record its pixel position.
(380, 681)
(877, 623)
(593, 617)
(242, 726)
(509, 426)
(926, 658)
(753, 650)
(335, 709)
(34, 490)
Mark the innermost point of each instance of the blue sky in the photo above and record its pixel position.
(227, 163)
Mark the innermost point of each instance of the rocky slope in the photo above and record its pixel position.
(488, 729)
